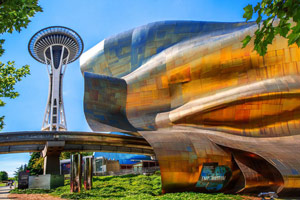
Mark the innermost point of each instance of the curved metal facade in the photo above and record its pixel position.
(219, 117)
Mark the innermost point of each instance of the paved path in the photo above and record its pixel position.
(4, 192)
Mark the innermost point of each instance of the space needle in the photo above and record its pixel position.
(55, 46)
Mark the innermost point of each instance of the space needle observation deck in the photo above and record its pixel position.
(55, 46)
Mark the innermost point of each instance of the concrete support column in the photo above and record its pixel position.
(51, 155)
(51, 164)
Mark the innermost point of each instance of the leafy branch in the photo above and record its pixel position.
(14, 15)
(9, 76)
(285, 12)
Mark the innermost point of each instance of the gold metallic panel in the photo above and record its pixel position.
(219, 117)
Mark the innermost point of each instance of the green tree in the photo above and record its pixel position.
(14, 15)
(35, 163)
(19, 169)
(284, 12)
(3, 176)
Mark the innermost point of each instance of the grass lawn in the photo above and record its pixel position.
(2, 184)
(128, 187)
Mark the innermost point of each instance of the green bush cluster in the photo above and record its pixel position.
(112, 187)
(127, 187)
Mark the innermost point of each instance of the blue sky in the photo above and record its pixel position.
(94, 20)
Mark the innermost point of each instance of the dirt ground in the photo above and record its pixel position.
(33, 197)
(251, 198)
(49, 197)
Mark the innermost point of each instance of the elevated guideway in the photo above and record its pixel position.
(36, 141)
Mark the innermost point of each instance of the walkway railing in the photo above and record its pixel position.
(146, 170)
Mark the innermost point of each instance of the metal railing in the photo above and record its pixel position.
(145, 170)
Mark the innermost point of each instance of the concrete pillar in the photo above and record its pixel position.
(51, 164)
(51, 155)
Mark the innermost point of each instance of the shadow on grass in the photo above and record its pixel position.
(89, 196)
(30, 191)
(115, 177)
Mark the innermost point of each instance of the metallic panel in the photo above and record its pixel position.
(210, 109)
(76, 173)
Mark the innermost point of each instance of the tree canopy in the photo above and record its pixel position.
(35, 164)
(19, 169)
(284, 12)
(14, 15)
(3, 176)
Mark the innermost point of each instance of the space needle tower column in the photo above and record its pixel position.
(55, 46)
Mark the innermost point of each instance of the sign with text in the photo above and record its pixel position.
(23, 179)
(213, 177)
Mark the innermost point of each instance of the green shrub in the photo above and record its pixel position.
(128, 187)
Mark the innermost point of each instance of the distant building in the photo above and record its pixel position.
(145, 164)
(126, 161)
(112, 163)
(104, 166)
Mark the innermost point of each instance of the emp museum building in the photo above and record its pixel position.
(218, 117)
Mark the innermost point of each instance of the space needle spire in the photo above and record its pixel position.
(55, 46)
